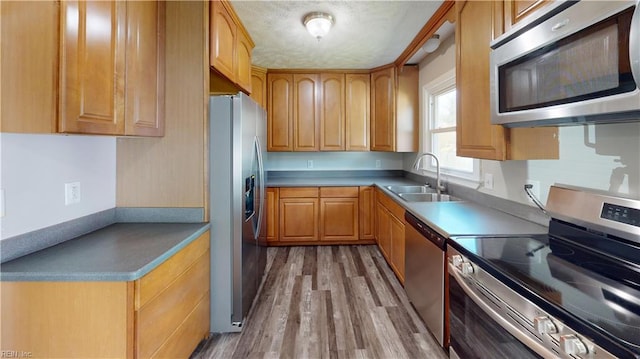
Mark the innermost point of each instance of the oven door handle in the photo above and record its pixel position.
(533, 344)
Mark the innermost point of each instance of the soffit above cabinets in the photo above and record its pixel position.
(366, 34)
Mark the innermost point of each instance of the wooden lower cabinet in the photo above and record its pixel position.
(390, 226)
(164, 314)
(320, 215)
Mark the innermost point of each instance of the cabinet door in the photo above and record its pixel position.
(332, 119)
(299, 219)
(29, 66)
(223, 32)
(92, 68)
(243, 65)
(397, 246)
(339, 219)
(357, 116)
(145, 68)
(383, 230)
(516, 10)
(280, 112)
(367, 213)
(259, 86)
(272, 209)
(476, 137)
(306, 112)
(383, 87)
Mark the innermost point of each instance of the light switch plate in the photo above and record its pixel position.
(309, 163)
(488, 181)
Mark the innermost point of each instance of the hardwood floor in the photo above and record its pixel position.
(327, 302)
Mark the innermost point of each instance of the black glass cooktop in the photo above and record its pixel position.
(611, 306)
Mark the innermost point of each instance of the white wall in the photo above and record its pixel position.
(34, 169)
(328, 161)
(585, 162)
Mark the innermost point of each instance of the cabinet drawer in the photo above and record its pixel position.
(159, 318)
(155, 281)
(338, 192)
(298, 192)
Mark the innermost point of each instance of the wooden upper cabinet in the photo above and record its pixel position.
(306, 112)
(476, 136)
(394, 109)
(144, 104)
(223, 34)
(280, 112)
(230, 46)
(105, 68)
(243, 63)
(383, 84)
(92, 71)
(357, 93)
(332, 109)
(516, 10)
(259, 86)
(29, 66)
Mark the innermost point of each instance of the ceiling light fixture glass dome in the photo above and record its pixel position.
(318, 24)
(432, 44)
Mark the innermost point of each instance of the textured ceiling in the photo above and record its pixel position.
(366, 34)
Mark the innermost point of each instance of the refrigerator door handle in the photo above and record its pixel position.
(261, 186)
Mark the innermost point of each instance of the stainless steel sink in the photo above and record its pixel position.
(410, 189)
(427, 197)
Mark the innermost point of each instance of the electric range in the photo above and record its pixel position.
(571, 293)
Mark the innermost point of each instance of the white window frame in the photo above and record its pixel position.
(441, 84)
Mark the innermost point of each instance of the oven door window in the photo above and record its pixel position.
(475, 335)
(589, 64)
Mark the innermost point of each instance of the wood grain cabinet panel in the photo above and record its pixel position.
(516, 10)
(223, 33)
(339, 219)
(280, 112)
(390, 228)
(259, 86)
(163, 314)
(367, 212)
(272, 214)
(357, 112)
(306, 112)
(112, 76)
(332, 112)
(299, 219)
(244, 47)
(394, 109)
(29, 66)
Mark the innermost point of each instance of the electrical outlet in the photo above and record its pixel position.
(309, 163)
(535, 190)
(488, 181)
(1, 203)
(72, 193)
(378, 163)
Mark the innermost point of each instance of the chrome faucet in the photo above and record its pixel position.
(439, 187)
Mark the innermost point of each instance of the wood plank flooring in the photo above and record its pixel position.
(327, 302)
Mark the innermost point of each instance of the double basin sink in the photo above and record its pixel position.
(420, 194)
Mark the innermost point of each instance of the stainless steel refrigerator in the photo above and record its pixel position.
(237, 132)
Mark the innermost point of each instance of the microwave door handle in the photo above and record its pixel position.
(497, 317)
(634, 44)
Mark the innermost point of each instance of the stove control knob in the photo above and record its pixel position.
(544, 325)
(467, 268)
(457, 260)
(570, 344)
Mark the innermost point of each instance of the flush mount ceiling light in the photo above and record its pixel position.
(432, 44)
(318, 24)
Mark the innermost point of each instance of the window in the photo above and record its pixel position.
(440, 129)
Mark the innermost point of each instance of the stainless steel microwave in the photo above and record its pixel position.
(575, 62)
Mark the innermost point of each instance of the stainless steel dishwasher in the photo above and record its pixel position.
(425, 275)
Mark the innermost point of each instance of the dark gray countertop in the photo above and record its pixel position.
(447, 218)
(119, 252)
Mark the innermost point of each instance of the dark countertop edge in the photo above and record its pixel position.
(103, 276)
